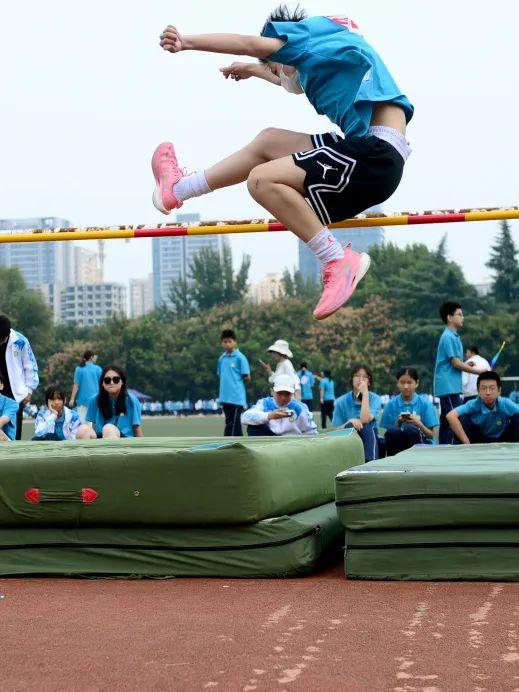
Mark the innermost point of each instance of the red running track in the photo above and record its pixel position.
(316, 633)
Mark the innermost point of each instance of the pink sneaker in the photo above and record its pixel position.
(167, 173)
(340, 279)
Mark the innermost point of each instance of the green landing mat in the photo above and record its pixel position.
(433, 486)
(169, 481)
(488, 554)
(279, 547)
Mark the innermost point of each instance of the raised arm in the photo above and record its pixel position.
(234, 44)
(456, 426)
(243, 70)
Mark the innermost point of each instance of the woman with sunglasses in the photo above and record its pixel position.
(114, 412)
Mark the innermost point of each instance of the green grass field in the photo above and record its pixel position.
(166, 426)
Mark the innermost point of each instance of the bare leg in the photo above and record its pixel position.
(278, 186)
(111, 432)
(86, 432)
(270, 144)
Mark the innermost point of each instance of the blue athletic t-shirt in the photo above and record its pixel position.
(447, 378)
(492, 422)
(340, 73)
(307, 380)
(231, 368)
(327, 387)
(87, 378)
(418, 404)
(124, 422)
(347, 407)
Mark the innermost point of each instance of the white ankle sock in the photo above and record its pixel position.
(192, 185)
(325, 246)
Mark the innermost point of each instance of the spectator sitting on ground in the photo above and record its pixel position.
(359, 409)
(469, 380)
(8, 413)
(55, 421)
(280, 414)
(409, 418)
(487, 418)
(114, 412)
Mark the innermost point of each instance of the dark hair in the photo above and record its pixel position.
(448, 309)
(357, 368)
(328, 374)
(5, 326)
(413, 374)
(103, 398)
(283, 14)
(304, 364)
(2, 381)
(228, 334)
(489, 375)
(86, 357)
(52, 391)
(474, 350)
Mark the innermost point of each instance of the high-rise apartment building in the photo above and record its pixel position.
(89, 304)
(141, 296)
(40, 263)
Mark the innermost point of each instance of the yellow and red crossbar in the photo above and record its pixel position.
(250, 226)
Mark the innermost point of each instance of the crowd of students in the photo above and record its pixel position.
(472, 409)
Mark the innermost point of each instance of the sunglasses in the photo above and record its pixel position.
(109, 380)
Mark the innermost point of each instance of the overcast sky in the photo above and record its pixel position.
(88, 94)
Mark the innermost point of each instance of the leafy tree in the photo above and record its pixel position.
(180, 299)
(212, 280)
(503, 262)
(295, 286)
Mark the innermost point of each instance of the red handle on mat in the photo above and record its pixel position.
(85, 495)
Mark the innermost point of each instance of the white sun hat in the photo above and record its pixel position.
(281, 346)
(284, 383)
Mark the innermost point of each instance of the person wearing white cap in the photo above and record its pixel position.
(280, 414)
(282, 353)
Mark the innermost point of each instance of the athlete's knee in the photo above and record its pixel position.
(258, 180)
(110, 431)
(265, 139)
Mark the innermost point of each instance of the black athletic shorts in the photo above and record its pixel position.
(344, 177)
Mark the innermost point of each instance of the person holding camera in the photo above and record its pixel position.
(281, 413)
(409, 418)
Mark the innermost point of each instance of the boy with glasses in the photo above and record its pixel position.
(449, 366)
(487, 418)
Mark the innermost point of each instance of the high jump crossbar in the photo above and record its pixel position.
(250, 226)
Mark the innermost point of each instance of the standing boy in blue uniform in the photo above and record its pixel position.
(306, 181)
(233, 370)
(307, 379)
(449, 366)
(487, 418)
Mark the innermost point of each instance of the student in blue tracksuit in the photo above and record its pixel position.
(86, 383)
(8, 413)
(487, 418)
(55, 421)
(409, 418)
(359, 409)
(114, 412)
(449, 366)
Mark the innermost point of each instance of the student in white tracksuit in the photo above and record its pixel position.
(18, 367)
(279, 414)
